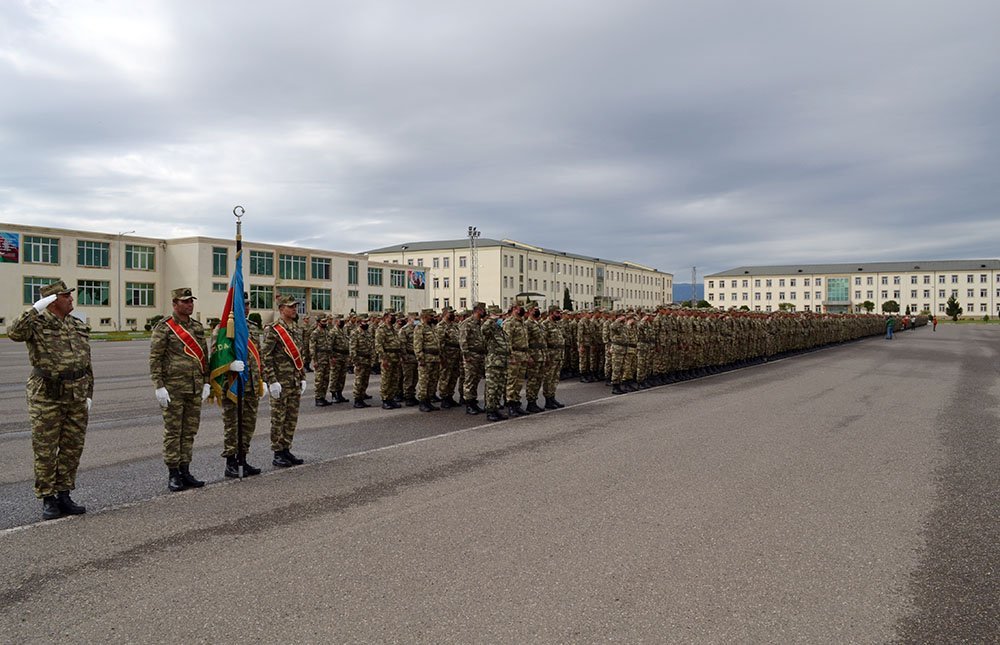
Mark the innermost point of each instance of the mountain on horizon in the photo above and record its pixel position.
(682, 291)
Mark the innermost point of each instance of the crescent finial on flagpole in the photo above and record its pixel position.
(238, 211)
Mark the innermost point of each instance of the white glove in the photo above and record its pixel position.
(274, 389)
(45, 302)
(205, 391)
(237, 366)
(90, 403)
(162, 397)
(304, 385)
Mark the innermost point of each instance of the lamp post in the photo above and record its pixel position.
(121, 287)
(474, 266)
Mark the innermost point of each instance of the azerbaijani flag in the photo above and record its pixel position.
(231, 338)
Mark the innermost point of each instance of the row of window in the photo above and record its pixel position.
(91, 254)
(896, 295)
(970, 278)
(95, 293)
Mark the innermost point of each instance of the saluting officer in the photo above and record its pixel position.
(178, 365)
(60, 390)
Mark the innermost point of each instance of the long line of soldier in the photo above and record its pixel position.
(423, 359)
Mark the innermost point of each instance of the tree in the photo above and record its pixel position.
(786, 306)
(744, 308)
(907, 310)
(952, 309)
(868, 305)
(704, 304)
(567, 300)
(890, 307)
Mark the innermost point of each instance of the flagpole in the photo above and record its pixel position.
(241, 454)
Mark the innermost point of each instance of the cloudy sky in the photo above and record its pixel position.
(674, 133)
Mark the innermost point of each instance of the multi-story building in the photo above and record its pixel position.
(838, 288)
(507, 270)
(123, 280)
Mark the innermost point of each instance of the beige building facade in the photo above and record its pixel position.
(122, 281)
(507, 269)
(839, 288)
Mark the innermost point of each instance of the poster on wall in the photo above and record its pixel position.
(9, 248)
(415, 279)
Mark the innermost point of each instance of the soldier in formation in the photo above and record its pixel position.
(362, 355)
(321, 353)
(236, 439)
(340, 357)
(284, 372)
(178, 365)
(451, 358)
(473, 346)
(427, 349)
(389, 349)
(60, 391)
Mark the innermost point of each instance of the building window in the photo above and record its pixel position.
(220, 259)
(463, 303)
(982, 293)
(969, 278)
(857, 281)
(352, 293)
(140, 258)
(767, 283)
(397, 303)
(436, 263)
(352, 272)
(927, 293)
(954, 279)
(446, 282)
(32, 286)
(711, 284)
(895, 279)
(969, 293)
(437, 303)
(940, 293)
(913, 279)
(461, 262)
(92, 254)
(913, 293)
(462, 283)
(447, 302)
(41, 250)
(397, 279)
(220, 287)
(94, 293)
(819, 283)
(756, 283)
(139, 294)
(982, 307)
(374, 278)
(767, 296)
(446, 262)
(291, 267)
(261, 263)
(982, 278)
(261, 296)
(885, 294)
(436, 282)
(320, 268)
(781, 283)
(927, 279)
(319, 299)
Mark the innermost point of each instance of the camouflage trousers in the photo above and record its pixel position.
(181, 419)
(517, 366)
(362, 372)
(58, 428)
(474, 370)
(644, 362)
(496, 381)
(451, 361)
(617, 364)
(598, 358)
(552, 369)
(338, 374)
(409, 379)
(391, 385)
(584, 358)
(631, 360)
(322, 378)
(285, 416)
(535, 373)
(229, 439)
(428, 374)
(609, 369)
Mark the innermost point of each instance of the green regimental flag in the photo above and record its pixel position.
(222, 355)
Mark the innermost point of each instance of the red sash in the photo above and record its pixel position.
(191, 346)
(290, 347)
(256, 354)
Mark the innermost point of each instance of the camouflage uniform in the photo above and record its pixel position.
(321, 352)
(517, 337)
(618, 342)
(307, 330)
(362, 356)
(60, 383)
(497, 352)
(538, 351)
(646, 348)
(279, 367)
(409, 366)
(556, 349)
(470, 337)
(427, 349)
(251, 400)
(389, 349)
(340, 356)
(451, 359)
(184, 377)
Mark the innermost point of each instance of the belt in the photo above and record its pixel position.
(455, 345)
(70, 375)
(631, 344)
(536, 346)
(475, 351)
(620, 344)
(390, 351)
(431, 351)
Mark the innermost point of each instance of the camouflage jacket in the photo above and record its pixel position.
(426, 345)
(554, 337)
(320, 343)
(406, 341)
(56, 347)
(448, 339)
(169, 365)
(536, 335)
(387, 343)
(470, 336)
(278, 365)
(517, 335)
(362, 345)
(497, 349)
(340, 341)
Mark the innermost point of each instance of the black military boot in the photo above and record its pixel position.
(514, 410)
(617, 389)
(281, 460)
(292, 458)
(188, 478)
(410, 402)
(549, 405)
(232, 467)
(68, 506)
(50, 508)
(494, 415)
(434, 399)
(175, 482)
(389, 404)
(448, 402)
(644, 384)
(472, 406)
(367, 397)
(248, 470)
(322, 403)
(339, 398)
(533, 407)
(360, 403)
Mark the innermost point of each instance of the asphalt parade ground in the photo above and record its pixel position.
(847, 495)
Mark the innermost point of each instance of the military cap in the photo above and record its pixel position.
(389, 312)
(336, 316)
(412, 313)
(55, 288)
(446, 309)
(479, 305)
(554, 308)
(427, 312)
(183, 293)
(287, 301)
(362, 316)
(494, 310)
